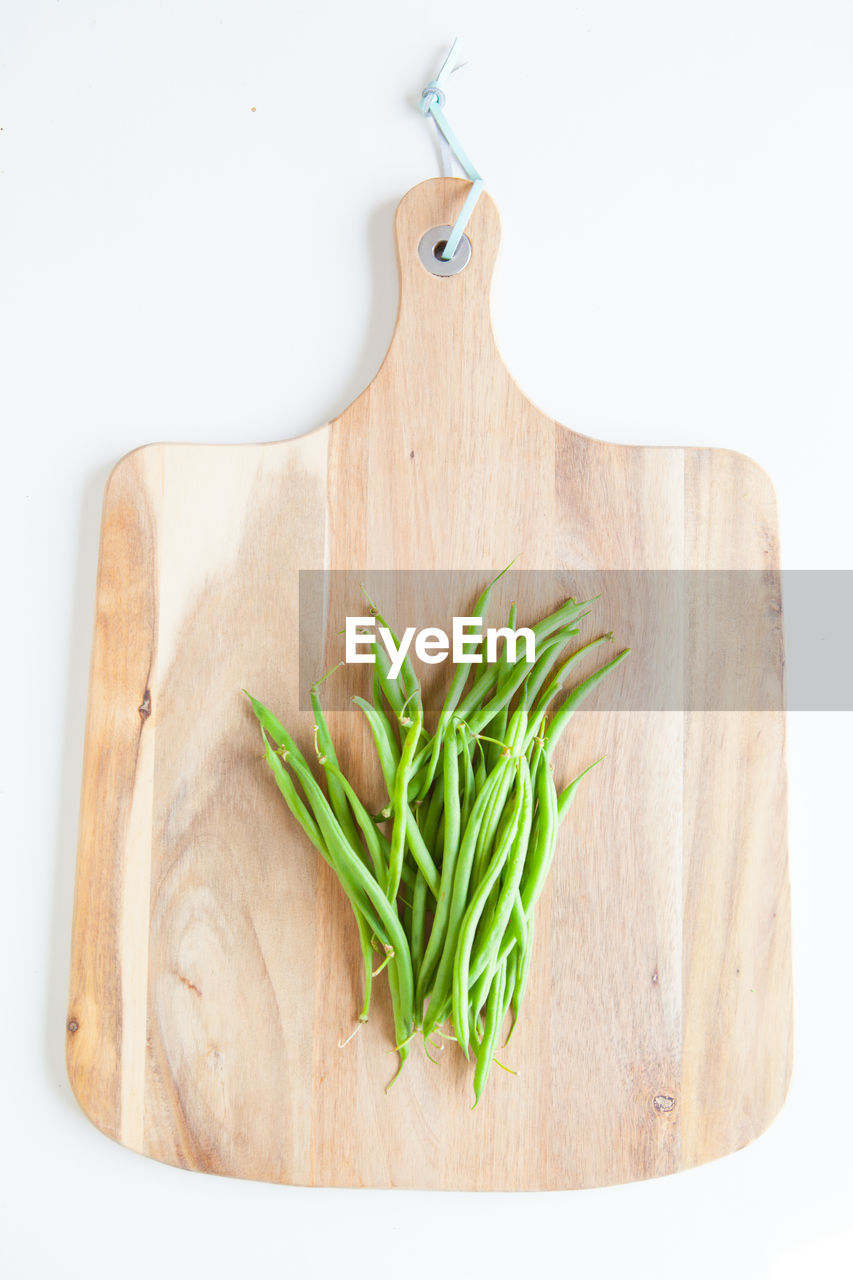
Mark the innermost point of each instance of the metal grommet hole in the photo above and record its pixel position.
(431, 247)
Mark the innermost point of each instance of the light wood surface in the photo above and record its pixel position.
(215, 965)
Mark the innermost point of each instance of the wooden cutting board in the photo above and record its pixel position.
(215, 964)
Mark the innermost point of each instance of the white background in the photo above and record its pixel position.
(675, 186)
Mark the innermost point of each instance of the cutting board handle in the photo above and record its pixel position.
(443, 332)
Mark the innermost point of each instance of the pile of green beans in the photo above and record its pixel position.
(443, 881)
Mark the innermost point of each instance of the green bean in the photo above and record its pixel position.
(366, 921)
(433, 815)
(401, 813)
(417, 847)
(499, 724)
(491, 1030)
(566, 796)
(489, 828)
(470, 920)
(275, 729)
(512, 874)
(450, 779)
(545, 664)
(575, 698)
(454, 693)
(512, 961)
(343, 860)
(487, 681)
(567, 614)
(485, 714)
(386, 747)
(498, 734)
(494, 824)
(499, 947)
(542, 852)
(418, 925)
(492, 818)
(402, 1020)
(439, 835)
(364, 937)
(421, 812)
(372, 837)
(404, 910)
(449, 888)
(483, 685)
(538, 713)
(467, 779)
(500, 950)
(523, 970)
(441, 990)
(570, 612)
(411, 684)
(435, 1016)
(295, 804)
(352, 865)
(384, 682)
(512, 617)
(482, 718)
(409, 871)
(360, 904)
(476, 999)
(326, 753)
(480, 770)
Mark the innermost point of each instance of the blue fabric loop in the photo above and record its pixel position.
(428, 94)
(432, 104)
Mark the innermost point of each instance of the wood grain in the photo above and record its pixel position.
(215, 964)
